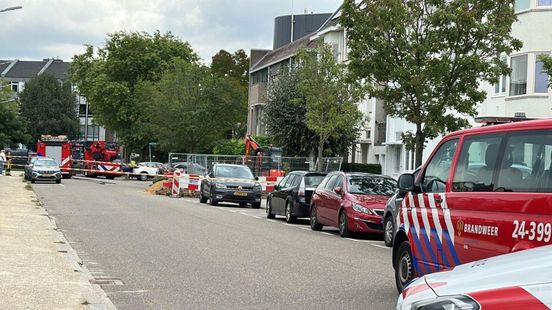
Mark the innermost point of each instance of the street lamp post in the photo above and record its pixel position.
(12, 8)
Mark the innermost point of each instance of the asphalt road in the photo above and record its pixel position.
(157, 252)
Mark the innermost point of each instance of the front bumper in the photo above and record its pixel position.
(43, 176)
(240, 196)
(365, 223)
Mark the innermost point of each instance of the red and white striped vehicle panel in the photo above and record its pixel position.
(520, 280)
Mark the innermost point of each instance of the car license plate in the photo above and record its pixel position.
(47, 175)
(240, 194)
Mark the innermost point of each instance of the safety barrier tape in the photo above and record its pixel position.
(185, 181)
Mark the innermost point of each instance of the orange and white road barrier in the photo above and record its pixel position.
(176, 184)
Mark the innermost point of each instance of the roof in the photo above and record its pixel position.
(24, 69)
(522, 125)
(283, 53)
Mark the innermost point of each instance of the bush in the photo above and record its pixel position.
(230, 147)
(368, 168)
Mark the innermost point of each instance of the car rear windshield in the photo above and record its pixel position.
(369, 185)
(312, 180)
(237, 172)
(45, 163)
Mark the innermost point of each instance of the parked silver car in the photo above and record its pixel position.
(45, 169)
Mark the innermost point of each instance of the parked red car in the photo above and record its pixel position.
(353, 202)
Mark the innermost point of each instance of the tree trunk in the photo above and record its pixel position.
(420, 141)
(320, 153)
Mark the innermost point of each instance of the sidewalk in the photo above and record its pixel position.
(38, 268)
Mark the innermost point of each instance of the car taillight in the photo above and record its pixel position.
(301, 192)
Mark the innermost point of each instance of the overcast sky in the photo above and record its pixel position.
(59, 28)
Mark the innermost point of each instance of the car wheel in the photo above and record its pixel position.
(256, 205)
(58, 181)
(143, 176)
(404, 268)
(212, 200)
(202, 198)
(289, 215)
(389, 231)
(314, 220)
(269, 214)
(33, 180)
(343, 225)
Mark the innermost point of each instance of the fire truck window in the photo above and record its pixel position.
(437, 171)
(527, 163)
(476, 165)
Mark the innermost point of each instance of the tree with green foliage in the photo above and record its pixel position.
(235, 68)
(547, 65)
(232, 65)
(109, 80)
(426, 59)
(13, 129)
(230, 147)
(49, 107)
(191, 107)
(331, 110)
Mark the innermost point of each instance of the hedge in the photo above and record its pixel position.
(368, 168)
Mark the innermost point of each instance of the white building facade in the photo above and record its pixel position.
(525, 91)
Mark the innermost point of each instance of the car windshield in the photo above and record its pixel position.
(312, 181)
(45, 163)
(369, 185)
(238, 172)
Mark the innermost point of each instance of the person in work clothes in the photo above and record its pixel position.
(2, 161)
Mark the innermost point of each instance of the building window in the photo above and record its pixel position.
(541, 77)
(518, 79)
(521, 5)
(93, 132)
(500, 87)
(544, 2)
(15, 87)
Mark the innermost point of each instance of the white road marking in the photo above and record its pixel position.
(366, 241)
(130, 292)
(326, 233)
(380, 246)
(305, 228)
(273, 221)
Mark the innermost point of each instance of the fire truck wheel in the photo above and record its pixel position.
(404, 268)
(143, 176)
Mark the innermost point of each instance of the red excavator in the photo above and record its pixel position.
(267, 161)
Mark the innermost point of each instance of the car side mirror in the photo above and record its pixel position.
(406, 183)
(338, 190)
(276, 187)
(256, 178)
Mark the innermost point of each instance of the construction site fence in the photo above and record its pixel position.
(201, 163)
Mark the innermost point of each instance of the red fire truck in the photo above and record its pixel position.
(59, 149)
(99, 157)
